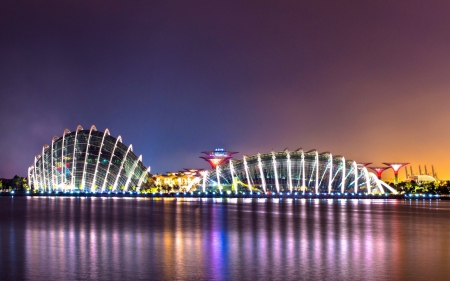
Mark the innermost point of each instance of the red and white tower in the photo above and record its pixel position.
(379, 170)
(396, 167)
(217, 157)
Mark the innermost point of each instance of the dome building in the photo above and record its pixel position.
(87, 160)
(295, 171)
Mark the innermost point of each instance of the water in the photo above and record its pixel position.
(229, 239)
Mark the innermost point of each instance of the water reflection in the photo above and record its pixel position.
(222, 239)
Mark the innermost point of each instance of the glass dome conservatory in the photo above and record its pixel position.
(87, 160)
(295, 171)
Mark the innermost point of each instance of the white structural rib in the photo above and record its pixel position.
(62, 159)
(218, 178)
(35, 182)
(247, 173)
(330, 177)
(121, 166)
(131, 173)
(141, 179)
(343, 175)
(317, 173)
(205, 177)
(274, 163)
(52, 162)
(375, 179)
(83, 181)
(43, 168)
(72, 180)
(366, 175)
(355, 168)
(303, 173)
(119, 138)
(289, 166)
(98, 158)
(46, 171)
(261, 173)
(29, 181)
(388, 187)
(233, 181)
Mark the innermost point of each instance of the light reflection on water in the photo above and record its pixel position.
(222, 239)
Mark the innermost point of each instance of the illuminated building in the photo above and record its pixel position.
(396, 167)
(379, 170)
(421, 178)
(87, 160)
(217, 157)
(182, 180)
(295, 171)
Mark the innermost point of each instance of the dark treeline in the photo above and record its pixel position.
(16, 183)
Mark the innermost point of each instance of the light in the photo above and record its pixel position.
(12, 192)
(243, 193)
(295, 193)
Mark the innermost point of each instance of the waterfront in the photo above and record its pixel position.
(106, 238)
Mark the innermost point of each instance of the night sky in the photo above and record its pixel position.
(369, 80)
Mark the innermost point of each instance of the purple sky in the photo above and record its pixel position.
(369, 80)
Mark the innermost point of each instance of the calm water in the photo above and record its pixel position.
(131, 239)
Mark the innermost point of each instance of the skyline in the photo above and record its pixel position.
(369, 82)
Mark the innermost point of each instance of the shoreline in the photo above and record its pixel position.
(231, 196)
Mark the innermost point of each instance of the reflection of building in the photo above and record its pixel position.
(217, 157)
(182, 180)
(87, 160)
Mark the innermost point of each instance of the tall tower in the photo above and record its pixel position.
(396, 167)
(217, 157)
(379, 170)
